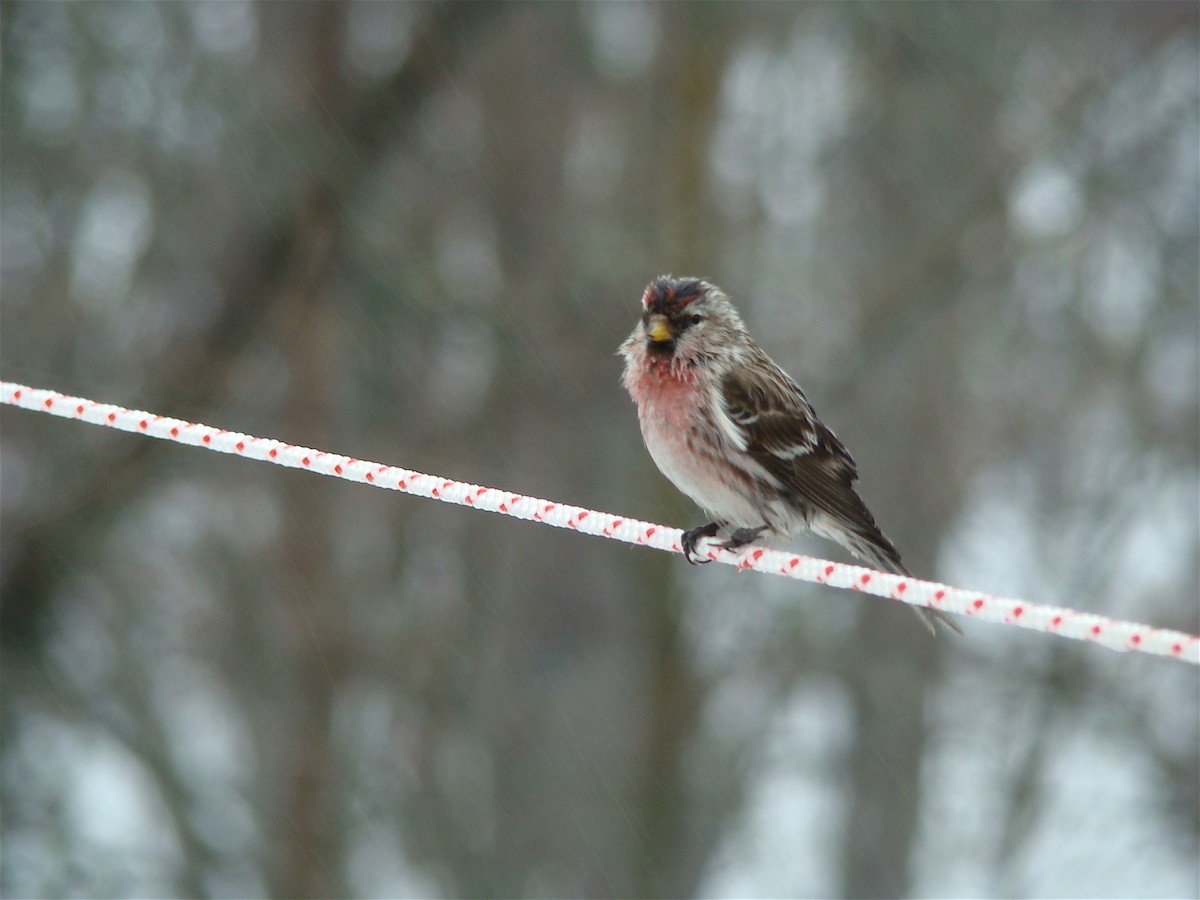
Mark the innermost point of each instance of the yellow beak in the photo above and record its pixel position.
(659, 329)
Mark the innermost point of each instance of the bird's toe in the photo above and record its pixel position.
(691, 537)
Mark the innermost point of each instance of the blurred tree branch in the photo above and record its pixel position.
(194, 378)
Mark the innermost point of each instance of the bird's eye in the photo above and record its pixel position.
(697, 319)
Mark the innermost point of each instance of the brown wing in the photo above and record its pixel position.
(781, 432)
(783, 435)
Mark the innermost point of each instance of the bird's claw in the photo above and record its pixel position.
(691, 537)
(741, 537)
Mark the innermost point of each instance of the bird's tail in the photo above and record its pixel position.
(877, 551)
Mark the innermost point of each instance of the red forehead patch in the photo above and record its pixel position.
(670, 294)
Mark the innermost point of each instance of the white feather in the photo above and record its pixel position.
(732, 431)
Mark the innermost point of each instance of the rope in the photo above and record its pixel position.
(1111, 633)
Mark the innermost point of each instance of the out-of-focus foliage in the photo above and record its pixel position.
(416, 233)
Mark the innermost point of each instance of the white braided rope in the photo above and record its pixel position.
(1111, 633)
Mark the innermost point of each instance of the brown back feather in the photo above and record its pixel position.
(786, 438)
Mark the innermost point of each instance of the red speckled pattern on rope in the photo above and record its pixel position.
(1111, 633)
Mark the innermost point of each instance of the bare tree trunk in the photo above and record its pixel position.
(885, 759)
(307, 857)
(907, 399)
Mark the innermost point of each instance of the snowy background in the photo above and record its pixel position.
(416, 233)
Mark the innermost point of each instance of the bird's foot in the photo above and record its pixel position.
(741, 537)
(692, 536)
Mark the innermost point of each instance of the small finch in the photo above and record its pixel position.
(731, 430)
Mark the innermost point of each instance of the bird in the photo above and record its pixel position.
(731, 430)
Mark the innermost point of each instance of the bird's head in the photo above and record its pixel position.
(687, 318)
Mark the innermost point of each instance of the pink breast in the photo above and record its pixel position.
(666, 395)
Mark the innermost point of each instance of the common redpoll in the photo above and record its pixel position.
(732, 430)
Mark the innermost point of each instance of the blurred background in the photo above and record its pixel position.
(415, 234)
